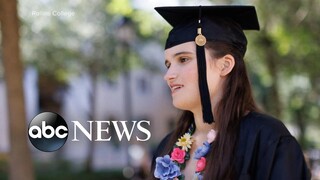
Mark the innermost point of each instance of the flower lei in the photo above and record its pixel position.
(169, 167)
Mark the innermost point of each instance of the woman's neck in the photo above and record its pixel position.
(202, 128)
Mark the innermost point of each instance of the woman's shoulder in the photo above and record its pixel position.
(267, 143)
(256, 123)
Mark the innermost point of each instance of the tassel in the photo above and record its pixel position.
(203, 86)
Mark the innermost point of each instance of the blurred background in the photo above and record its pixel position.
(103, 60)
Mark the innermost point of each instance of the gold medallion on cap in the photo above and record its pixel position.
(200, 40)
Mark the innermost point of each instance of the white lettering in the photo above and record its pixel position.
(99, 130)
(38, 135)
(85, 132)
(35, 13)
(125, 129)
(63, 13)
(44, 130)
(61, 136)
(144, 130)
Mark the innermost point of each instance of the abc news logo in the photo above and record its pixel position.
(48, 131)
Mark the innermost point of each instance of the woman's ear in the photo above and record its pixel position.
(226, 64)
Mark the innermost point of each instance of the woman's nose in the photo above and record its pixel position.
(170, 75)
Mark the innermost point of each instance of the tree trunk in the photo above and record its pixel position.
(92, 117)
(273, 104)
(20, 162)
(302, 127)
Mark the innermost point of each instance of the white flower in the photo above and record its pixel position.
(185, 142)
(211, 136)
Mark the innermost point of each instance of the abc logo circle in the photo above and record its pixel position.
(48, 131)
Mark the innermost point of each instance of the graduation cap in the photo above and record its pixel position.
(208, 23)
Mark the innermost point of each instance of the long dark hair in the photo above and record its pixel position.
(237, 99)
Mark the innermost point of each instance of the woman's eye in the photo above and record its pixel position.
(183, 59)
(167, 65)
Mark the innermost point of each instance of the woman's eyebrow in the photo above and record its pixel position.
(182, 52)
(178, 54)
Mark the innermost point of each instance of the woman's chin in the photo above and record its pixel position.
(177, 105)
(180, 105)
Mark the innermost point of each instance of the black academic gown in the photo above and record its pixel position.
(266, 150)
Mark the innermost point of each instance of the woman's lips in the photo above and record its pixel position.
(175, 87)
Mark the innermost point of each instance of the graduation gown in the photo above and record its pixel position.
(265, 150)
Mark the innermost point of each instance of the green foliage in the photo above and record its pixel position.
(4, 166)
(120, 7)
(290, 27)
(54, 44)
(86, 42)
(145, 24)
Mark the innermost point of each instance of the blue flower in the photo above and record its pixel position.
(199, 176)
(202, 150)
(166, 169)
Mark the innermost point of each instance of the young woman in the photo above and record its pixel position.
(221, 134)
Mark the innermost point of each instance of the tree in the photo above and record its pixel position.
(291, 57)
(20, 159)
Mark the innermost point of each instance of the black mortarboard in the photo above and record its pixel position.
(212, 23)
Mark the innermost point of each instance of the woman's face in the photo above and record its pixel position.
(182, 76)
